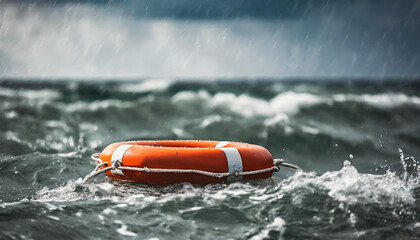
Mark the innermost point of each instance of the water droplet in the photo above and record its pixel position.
(346, 163)
(351, 156)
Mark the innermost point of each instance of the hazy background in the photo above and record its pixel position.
(210, 39)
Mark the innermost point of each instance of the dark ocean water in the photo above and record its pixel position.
(357, 142)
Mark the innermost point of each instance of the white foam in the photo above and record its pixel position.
(44, 94)
(248, 106)
(352, 187)
(192, 209)
(290, 102)
(284, 104)
(11, 114)
(7, 92)
(237, 189)
(276, 225)
(97, 105)
(352, 219)
(179, 132)
(60, 194)
(121, 205)
(54, 218)
(52, 207)
(243, 104)
(106, 187)
(210, 120)
(109, 211)
(123, 229)
(279, 118)
(387, 100)
(153, 85)
(69, 154)
(309, 130)
(68, 192)
(349, 186)
(39, 94)
(191, 96)
(139, 200)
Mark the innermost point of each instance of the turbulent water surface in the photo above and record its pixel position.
(358, 144)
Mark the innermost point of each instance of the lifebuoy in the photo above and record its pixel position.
(197, 162)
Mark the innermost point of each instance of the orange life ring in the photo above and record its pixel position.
(169, 162)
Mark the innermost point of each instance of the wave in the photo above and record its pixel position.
(61, 119)
(74, 190)
(351, 187)
(248, 106)
(282, 104)
(278, 225)
(289, 102)
(153, 85)
(47, 136)
(345, 195)
(346, 185)
(101, 105)
(388, 100)
(44, 94)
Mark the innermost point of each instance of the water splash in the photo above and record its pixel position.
(346, 185)
(351, 187)
(411, 168)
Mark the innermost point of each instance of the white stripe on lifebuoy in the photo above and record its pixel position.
(118, 155)
(222, 144)
(233, 158)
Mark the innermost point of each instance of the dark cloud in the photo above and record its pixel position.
(263, 9)
(261, 38)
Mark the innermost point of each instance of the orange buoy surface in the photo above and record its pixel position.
(197, 162)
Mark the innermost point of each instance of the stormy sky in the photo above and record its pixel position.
(210, 39)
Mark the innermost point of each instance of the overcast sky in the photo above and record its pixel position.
(210, 39)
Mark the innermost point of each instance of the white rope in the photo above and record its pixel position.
(96, 157)
(95, 172)
(207, 173)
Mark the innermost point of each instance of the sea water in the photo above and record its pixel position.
(357, 143)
